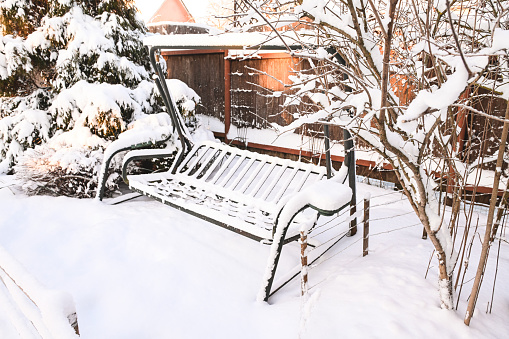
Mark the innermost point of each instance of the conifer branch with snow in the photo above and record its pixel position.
(73, 76)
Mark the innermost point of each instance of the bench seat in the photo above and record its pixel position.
(236, 189)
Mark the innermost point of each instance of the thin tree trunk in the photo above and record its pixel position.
(445, 279)
(386, 61)
(487, 235)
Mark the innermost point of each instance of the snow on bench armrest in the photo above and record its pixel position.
(325, 196)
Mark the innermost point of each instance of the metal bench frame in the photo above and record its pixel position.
(205, 173)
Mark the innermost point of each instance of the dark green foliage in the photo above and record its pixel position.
(23, 20)
(55, 55)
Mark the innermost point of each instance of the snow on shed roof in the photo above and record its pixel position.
(255, 40)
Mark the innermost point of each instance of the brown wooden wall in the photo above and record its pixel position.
(250, 83)
(203, 71)
(481, 137)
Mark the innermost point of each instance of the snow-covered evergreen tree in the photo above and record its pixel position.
(73, 75)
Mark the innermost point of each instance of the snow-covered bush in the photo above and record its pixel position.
(105, 109)
(69, 171)
(185, 97)
(14, 64)
(105, 48)
(64, 167)
(69, 163)
(69, 68)
(21, 131)
(186, 100)
(22, 125)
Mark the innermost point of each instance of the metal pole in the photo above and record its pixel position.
(350, 163)
(227, 96)
(167, 98)
(328, 162)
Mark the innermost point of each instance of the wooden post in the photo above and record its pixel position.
(365, 241)
(304, 262)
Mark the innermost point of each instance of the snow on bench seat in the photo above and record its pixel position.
(233, 188)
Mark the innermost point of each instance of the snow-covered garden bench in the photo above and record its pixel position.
(234, 188)
(259, 196)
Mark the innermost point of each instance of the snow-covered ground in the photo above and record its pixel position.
(141, 269)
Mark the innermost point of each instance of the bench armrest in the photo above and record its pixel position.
(326, 197)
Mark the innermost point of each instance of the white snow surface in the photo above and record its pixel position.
(53, 307)
(144, 270)
(327, 195)
(231, 40)
(500, 39)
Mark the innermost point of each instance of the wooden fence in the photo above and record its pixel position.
(237, 91)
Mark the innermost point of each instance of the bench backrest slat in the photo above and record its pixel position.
(270, 187)
(299, 184)
(269, 167)
(246, 181)
(208, 157)
(237, 162)
(241, 174)
(222, 166)
(284, 185)
(190, 161)
(212, 164)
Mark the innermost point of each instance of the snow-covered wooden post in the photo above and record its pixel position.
(365, 242)
(304, 261)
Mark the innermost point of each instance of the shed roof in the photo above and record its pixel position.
(172, 10)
